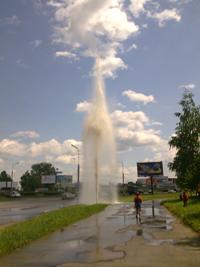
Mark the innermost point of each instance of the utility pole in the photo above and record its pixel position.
(78, 165)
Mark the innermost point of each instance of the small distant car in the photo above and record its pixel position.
(68, 195)
(14, 194)
(171, 191)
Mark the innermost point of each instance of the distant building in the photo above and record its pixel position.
(8, 185)
(160, 182)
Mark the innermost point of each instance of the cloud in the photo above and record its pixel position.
(52, 147)
(12, 20)
(138, 6)
(133, 46)
(133, 120)
(65, 159)
(12, 147)
(21, 64)
(189, 86)
(100, 29)
(166, 15)
(26, 134)
(66, 54)
(128, 138)
(83, 106)
(37, 43)
(138, 97)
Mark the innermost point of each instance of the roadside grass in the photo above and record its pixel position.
(190, 215)
(4, 198)
(20, 234)
(146, 197)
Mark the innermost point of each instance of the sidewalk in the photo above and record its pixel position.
(112, 238)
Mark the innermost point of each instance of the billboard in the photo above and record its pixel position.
(64, 178)
(149, 168)
(48, 179)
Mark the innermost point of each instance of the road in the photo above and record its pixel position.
(17, 210)
(114, 239)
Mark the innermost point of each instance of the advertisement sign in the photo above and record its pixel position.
(149, 168)
(48, 179)
(64, 178)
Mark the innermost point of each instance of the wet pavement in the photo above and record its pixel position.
(113, 238)
(17, 210)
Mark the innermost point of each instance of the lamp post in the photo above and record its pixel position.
(122, 172)
(78, 166)
(12, 172)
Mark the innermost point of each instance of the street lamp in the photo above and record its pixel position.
(122, 172)
(12, 172)
(78, 166)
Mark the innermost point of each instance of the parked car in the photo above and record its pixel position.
(14, 194)
(68, 195)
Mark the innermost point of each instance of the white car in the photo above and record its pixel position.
(14, 194)
(68, 195)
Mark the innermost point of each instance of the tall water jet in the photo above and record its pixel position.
(99, 153)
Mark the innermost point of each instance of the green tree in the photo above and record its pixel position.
(4, 177)
(28, 183)
(186, 141)
(32, 180)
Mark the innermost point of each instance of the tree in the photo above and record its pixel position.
(186, 141)
(4, 177)
(32, 180)
(28, 183)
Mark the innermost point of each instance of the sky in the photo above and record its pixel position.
(149, 54)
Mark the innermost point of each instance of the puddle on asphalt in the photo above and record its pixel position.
(91, 240)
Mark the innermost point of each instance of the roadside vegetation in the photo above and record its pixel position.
(20, 234)
(190, 215)
(154, 196)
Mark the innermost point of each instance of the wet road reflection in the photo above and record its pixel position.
(15, 211)
(94, 239)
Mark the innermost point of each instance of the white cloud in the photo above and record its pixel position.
(65, 159)
(28, 134)
(37, 43)
(128, 138)
(99, 30)
(66, 54)
(138, 6)
(157, 123)
(12, 147)
(110, 64)
(188, 86)
(133, 46)
(138, 97)
(166, 15)
(129, 118)
(83, 106)
(12, 20)
(52, 147)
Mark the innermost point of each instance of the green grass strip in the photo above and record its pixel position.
(146, 197)
(20, 234)
(189, 215)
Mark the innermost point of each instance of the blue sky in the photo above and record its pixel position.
(149, 51)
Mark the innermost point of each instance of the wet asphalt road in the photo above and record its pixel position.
(17, 210)
(113, 238)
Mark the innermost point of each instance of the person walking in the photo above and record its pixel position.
(138, 204)
(185, 198)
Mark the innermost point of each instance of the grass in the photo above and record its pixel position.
(190, 215)
(146, 197)
(4, 198)
(20, 234)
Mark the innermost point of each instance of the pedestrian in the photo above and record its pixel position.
(185, 198)
(138, 203)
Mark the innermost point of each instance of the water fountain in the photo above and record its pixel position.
(99, 163)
